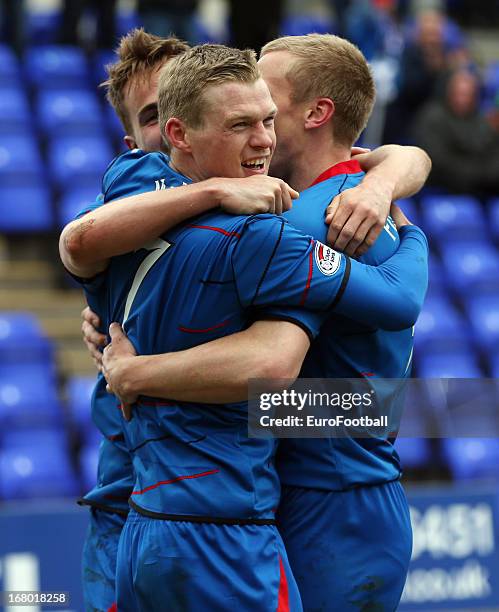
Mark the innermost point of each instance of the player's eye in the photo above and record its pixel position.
(239, 125)
(269, 120)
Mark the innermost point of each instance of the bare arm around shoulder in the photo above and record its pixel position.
(215, 372)
(87, 244)
(356, 216)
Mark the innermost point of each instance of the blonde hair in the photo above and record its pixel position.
(139, 53)
(331, 67)
(184, 80)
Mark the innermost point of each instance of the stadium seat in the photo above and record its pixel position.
(25, 209)
(297, 25)
(491, 80)
(440, 327)
(56, 66)
(113, 124)
(126, 20)
(28, 402)
(413, 452)
(20, 161)
(73, 202)
(15, 115)
(471, 266)
(36, 471)
(453, 218)
(472, 458)
(43, 25)
(483, 315)
(79, 162)
(89, 457)
(69, 113)
(101, 60)
(449, 365)
(22, 340)
(10, 70)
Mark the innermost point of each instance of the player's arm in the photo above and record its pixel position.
(87, 244)
(206, 373)
(297, 271)
(356, 216)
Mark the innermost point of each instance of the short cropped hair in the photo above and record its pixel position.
(139, 54)
(331, 67)
(184, 80)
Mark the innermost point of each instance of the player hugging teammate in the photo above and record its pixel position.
(208, 303)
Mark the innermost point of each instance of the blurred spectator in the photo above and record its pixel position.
(424, 63)
(105, 36)
(463, 146)
(12, 23)
(166, 17)
(253, 24)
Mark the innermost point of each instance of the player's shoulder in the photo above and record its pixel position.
(137, 163)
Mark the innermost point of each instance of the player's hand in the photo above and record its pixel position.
(398, 216)
(255, 195)
(117, 359)
(92, 338)
(356, 217)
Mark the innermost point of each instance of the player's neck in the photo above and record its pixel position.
(313, 160)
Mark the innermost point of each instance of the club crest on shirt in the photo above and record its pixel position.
(328, 260)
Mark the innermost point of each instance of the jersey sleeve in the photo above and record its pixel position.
(275, 264)
(391, 295)
(99, 201)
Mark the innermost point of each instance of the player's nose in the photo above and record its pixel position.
(262, 137)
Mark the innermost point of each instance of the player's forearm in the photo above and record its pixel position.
(391, 295)
(399, 171)
(219, 371)
(87, 244)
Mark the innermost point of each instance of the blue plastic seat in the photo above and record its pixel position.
(29, 402)
(102, 58)
(453, 218)
(413, 452)
(79, 162)
(298, 25)
(483, 315)
(25, 209)
(22, 340)
(472, 266)
(56, 66)
(440, 327)
(15, 115)
(449, 365)
(20, 161)
(472, 458)
(69, 112)
(73, 202)
(116, 130)
(43, 26)
(10, 69)
(36, 471)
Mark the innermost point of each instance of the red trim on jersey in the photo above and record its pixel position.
(283, 597)
(310, 273)
(113, 608)
(367, 373)
(202, 331)
(154, 404)
(216, 229)
(351, 166)
(172, 480)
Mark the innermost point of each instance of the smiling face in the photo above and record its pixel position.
(236, 137)
(141, 103)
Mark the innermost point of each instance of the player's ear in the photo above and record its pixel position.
(176, 133)
(318, 113)
(130, 142)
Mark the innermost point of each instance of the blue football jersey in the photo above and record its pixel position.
(203, 280)
(345, 349)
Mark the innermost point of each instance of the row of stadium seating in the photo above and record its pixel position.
(49, 448)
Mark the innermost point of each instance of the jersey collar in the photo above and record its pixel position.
(351, 166)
